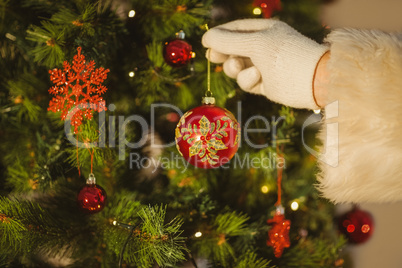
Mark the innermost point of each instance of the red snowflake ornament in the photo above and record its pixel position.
(278, 235)
(268, 6)
(77, 90)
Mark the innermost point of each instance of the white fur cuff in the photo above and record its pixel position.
(365, 70)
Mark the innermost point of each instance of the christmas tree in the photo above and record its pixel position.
(91, 93)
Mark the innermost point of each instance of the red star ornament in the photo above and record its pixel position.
(278, 235)
(77, 90)
(268, 6)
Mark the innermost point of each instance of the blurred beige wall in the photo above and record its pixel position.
(368, 14)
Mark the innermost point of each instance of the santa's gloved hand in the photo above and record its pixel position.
(267, 57)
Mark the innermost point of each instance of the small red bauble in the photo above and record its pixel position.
(177, 53)
(207, 136)
(357, 225)
(91, 198)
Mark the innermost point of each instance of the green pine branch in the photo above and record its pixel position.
(151, 237)
(26, 227)
(317, 252)
(49, 39)
(251, 260)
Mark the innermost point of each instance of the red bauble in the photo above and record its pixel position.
(177, 53)
(91, 198)
(207, 136)
(357, 225)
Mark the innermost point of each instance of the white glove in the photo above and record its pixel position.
(267, 57)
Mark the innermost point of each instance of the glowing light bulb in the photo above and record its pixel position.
(131, 74)
(264, 189)
(257, 11)
(131, 14)
(365, 228)
(351, 228)
(317, 111)
(198, 234)
(294, 206)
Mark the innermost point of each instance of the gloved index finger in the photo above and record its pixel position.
(229, 42)
(215, 56)
(248, 25)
